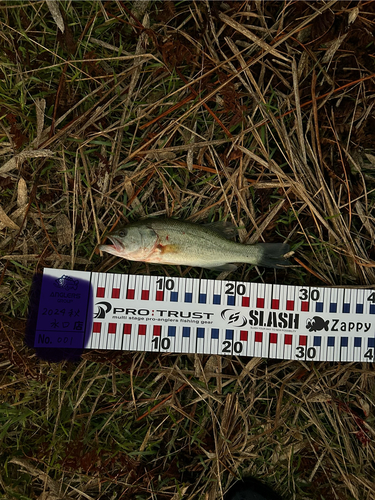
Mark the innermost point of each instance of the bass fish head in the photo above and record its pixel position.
(131, 242)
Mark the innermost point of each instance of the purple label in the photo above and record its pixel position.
(64, 309)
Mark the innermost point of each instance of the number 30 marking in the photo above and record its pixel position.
(304, 294)
(302, 352)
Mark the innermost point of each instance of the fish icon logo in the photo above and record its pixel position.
(103, 309)
(316, 324)
(67, 283)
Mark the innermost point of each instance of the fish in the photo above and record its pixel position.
(67, 283)
(316, 324)
(177, 242)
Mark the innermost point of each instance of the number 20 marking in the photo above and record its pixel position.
(232, 288)
(237, 346)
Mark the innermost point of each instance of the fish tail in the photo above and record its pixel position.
(272, 254)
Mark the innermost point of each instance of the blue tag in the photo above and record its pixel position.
(64, 317)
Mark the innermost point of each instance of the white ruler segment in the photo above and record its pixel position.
(184, 315)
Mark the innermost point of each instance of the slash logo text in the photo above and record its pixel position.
(274, 319)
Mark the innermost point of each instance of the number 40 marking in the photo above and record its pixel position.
(369, 354)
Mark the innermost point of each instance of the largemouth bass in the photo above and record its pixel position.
(175, 242)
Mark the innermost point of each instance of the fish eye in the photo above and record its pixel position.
(122, 233)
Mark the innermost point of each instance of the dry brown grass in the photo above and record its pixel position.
(261, 113)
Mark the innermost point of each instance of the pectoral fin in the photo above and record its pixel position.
(166, 249)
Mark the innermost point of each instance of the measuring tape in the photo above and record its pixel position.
(80, 309)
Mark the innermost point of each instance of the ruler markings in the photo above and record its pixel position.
(184, 315)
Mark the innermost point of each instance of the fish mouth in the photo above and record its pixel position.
(117, 247)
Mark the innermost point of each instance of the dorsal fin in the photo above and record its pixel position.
(225, 229)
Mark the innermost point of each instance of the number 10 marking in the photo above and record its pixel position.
(165, 343)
